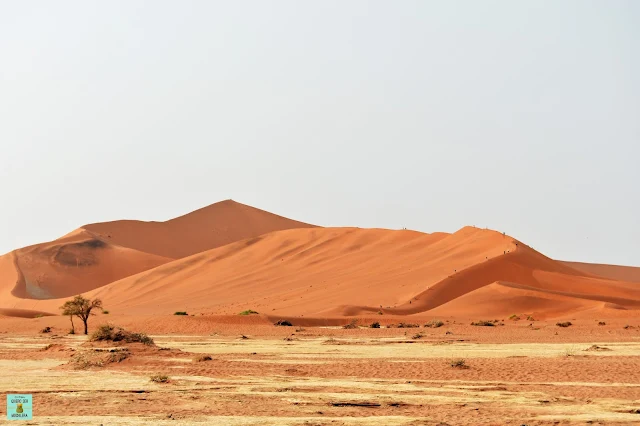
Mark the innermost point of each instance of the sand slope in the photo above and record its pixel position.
(613, 272)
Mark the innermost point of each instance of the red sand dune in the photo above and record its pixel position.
(316, 272)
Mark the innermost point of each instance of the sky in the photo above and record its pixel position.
(523, 117)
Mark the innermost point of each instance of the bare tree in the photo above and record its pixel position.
(81, 308)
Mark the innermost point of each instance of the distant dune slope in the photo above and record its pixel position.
(204, 229)
(613, 272)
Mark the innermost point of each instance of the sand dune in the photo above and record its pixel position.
(143, 268)
(348, 271)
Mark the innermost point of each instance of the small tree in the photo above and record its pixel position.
(81, 308)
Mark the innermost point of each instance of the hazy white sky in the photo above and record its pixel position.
(518, 116)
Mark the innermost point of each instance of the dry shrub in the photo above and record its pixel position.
(203, 358)
(375, 325)
(159, 378)
(434, 324)
(283, 323)
(564, 324)
(407, 325)
(459, 363)
(352, 325)
(46, 330)
(97, 358)
(109, 333)
(483, 323)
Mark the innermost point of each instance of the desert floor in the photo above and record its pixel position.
(519, 373)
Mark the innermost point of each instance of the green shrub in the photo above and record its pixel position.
(248, 312)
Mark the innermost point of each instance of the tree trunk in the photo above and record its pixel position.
(86, 331)
(72, 326)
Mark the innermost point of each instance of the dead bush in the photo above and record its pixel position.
(203, 358)
(434, 324)
(352, 325)
(459, 363)
(109, 333)
(159, 378)
(483, 324)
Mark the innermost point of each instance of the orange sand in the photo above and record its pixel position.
(228, 257)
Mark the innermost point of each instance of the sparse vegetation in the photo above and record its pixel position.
(39, 316)
(159, 378)
(81, 308)
(353, 324)
(109, 333)
(248, 312)
(406, 325)
(564, 324)
(459, 363)
(596, 348)
(97, 358)
(530, 318)
(483, 324)
(602, 323)
(46, 330)
(375, 325)
(434, 324)
(514, 317)
(203, 358)
(105, 312)
(180, 313)
(417, 336)
(283, 323)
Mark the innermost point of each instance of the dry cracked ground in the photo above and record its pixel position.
(324, 376)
